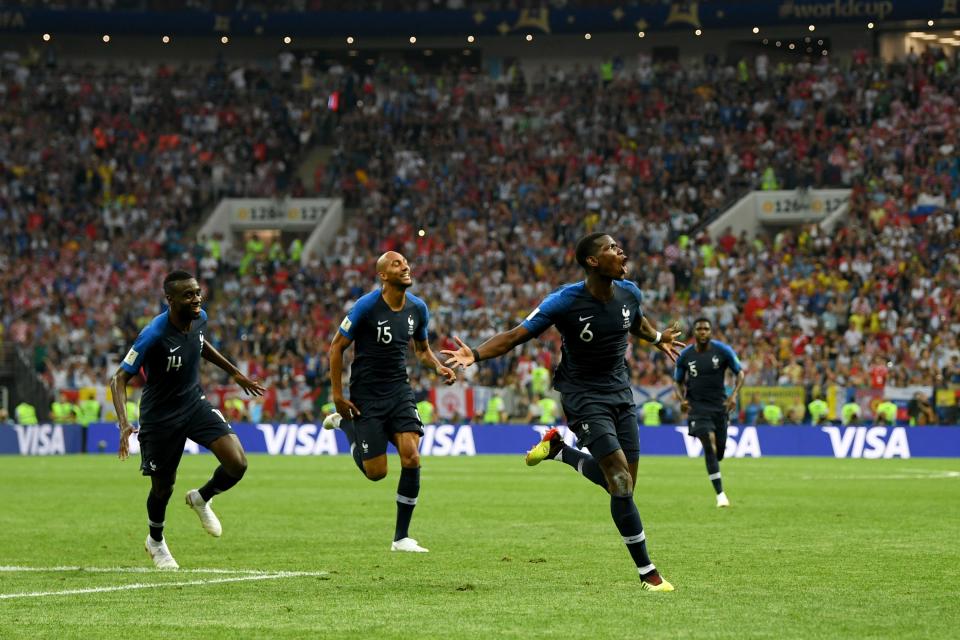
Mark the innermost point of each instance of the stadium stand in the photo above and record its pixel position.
(502, 176)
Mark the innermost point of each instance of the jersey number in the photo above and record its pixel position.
(384, 335)
(693, 368)
(174, 362)
(586, 335)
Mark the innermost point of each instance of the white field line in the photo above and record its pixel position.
(17, 569)
(248, 575)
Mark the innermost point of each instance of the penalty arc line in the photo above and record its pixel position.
(157, 585)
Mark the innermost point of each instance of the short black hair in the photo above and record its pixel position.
(587, 246)
(174, 276)
(703, 319)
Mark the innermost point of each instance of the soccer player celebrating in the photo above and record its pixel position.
(173, 408)
(699, 381)
(594, 317)
(381, 407)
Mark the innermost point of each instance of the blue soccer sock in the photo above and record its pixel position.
(585, 464)
(627, 518)
(350, 431)
(408, 490)
(156, 512)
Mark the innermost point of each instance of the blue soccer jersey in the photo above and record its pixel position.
(703, 372)
(170, 360)
(381, 336)
(593, 354)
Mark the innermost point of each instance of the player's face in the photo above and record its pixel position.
(398, 272)
(702, 332)
(611, 260)
(186, 299)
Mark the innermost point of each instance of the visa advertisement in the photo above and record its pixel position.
(474, 440)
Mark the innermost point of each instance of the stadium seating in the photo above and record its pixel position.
(502, 176)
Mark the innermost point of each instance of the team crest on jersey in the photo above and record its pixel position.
(716, 362)
(201, 340)
(626, 317)
(410, 324)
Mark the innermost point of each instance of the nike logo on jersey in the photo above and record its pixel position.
(175, 348)
(382, 321)
(582, 318)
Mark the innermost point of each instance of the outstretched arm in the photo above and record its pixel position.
(492, 348)
(250, 387)
(344, 407)
(429, 360)
(668, 341)
(118, 391)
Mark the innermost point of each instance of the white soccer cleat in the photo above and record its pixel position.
(722, 500)
(209, 520)
(407, 544)
(332, 421)
(160, 554)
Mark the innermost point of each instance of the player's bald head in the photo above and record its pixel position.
(384, 261)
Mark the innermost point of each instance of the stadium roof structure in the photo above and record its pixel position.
(609, 19)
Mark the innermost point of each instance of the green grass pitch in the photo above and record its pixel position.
(811, 548)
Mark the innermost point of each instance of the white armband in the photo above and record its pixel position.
(658, 338)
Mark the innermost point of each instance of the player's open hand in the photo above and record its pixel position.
(250, 387)
(125, 431)
(462, 357)
(449, 375)
(670, 343)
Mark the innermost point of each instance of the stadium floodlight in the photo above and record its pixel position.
(779, 44)
(641, 34)
(929, 23)
(698, 32)
(471, 39)
(224, 40)
(756, 29)
(349, 39)
(287, 39)
(46, 37)
(165, 39)
(106, 38)
(792, 46)
(869, 25)
(812, 28)
(413, 39)
(529, 37)
(587, 36)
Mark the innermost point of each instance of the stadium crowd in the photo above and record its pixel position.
(502, 175)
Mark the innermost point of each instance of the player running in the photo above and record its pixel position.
(594, 317)
(174, 408)
(699, 381)
(381, 407)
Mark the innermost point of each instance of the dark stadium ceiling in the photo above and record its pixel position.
(612, 18)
